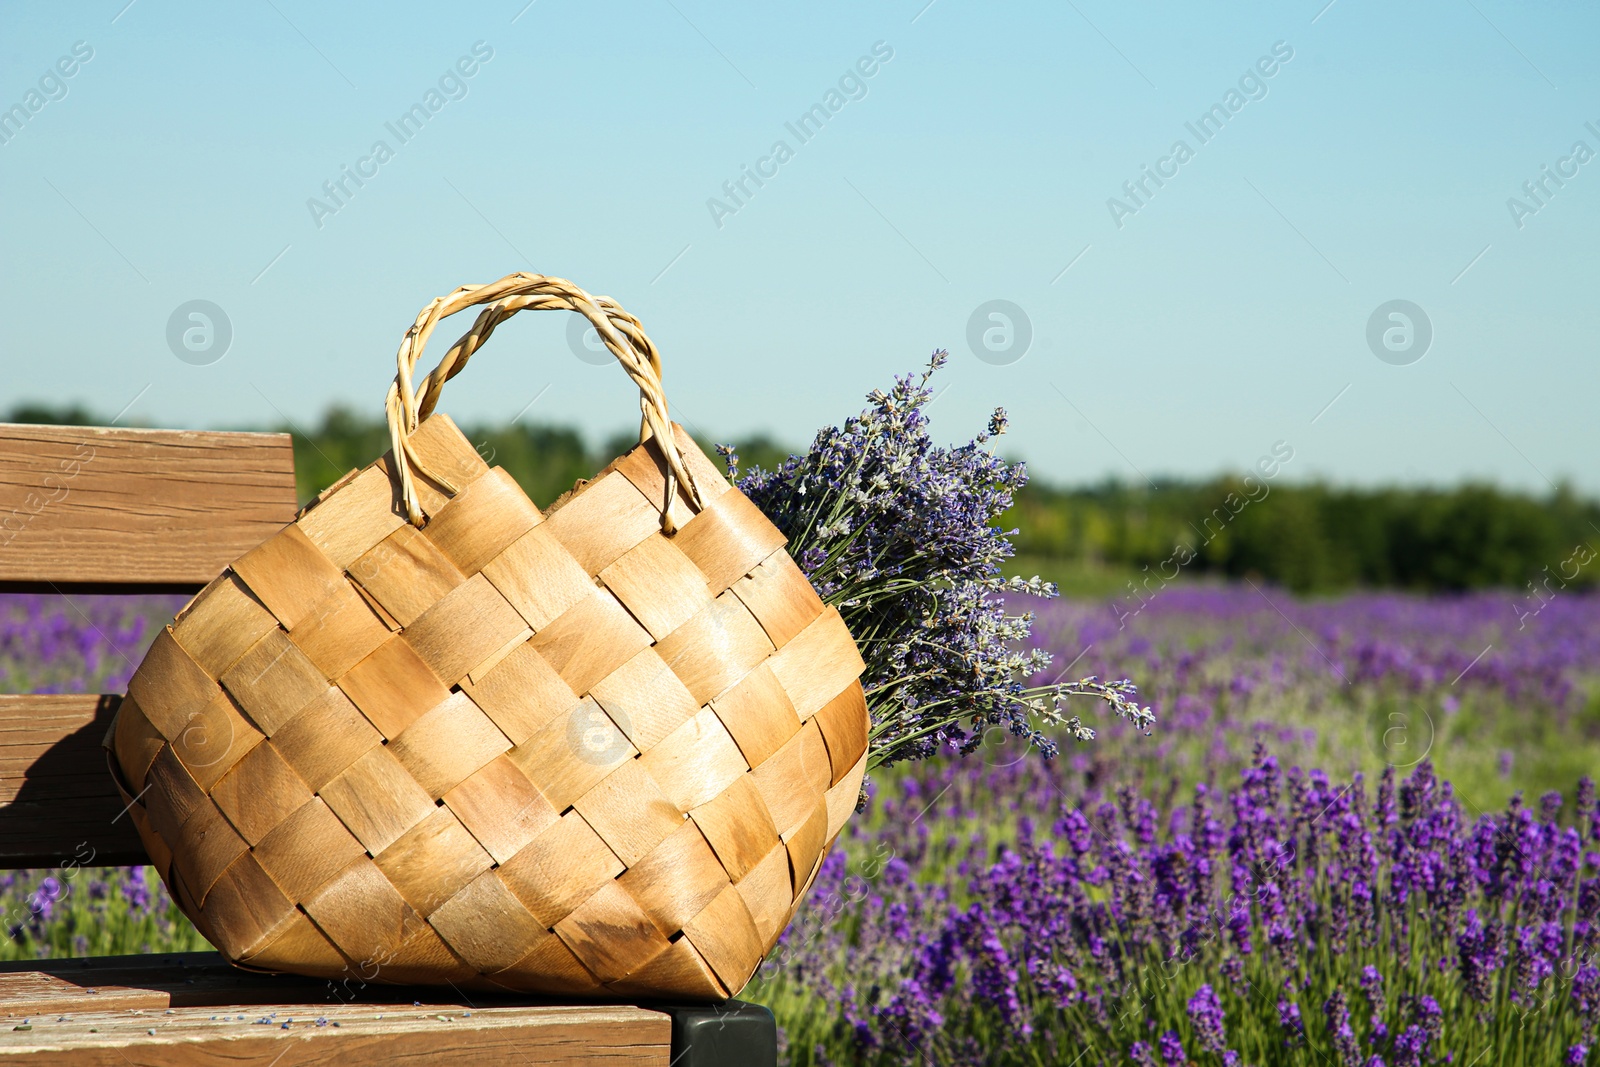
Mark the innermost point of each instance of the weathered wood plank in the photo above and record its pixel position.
(192, 980)
(408, 1037)
(179, 997)
(96, 505)
(58, 803)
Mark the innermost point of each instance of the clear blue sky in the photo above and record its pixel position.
(1226, 312)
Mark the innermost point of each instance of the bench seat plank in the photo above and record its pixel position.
(91, 505)
(186, 999)
(190, 1037)
(57, 800)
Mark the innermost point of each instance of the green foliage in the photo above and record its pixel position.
(343, 442)
(1315, 537)
(1308, 537)
(91, 911)
(46, 415)
(544, 460)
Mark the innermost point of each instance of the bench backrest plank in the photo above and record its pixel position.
(89, 509)
(92, 506)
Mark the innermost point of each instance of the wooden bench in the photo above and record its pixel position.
(90, 510)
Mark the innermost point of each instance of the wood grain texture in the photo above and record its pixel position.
(363, 913)
(307, 850)
(347, 524)
(763, 889)
(221, 624)
(448, 744)
(715, 648)
(340, 632)
(629, 812)
(486, 924)
(725, 935)
(549, 968)
(590, 640)
(325, 737)
(57, 802)
(502, 809)
(611, 934)
(378, 799)
(392, 687)
(696, 761)
(433, 861)
(757, 712)
(132, 996)
(406, 574)
(679, 971)
(274, 681)
(521, 693)
(250, 909)
(560, 868)
(568, 755)
(738, 827)
(481, 520)
(645, 699)
(215, 739)
(90, 504)
(677, 880)
(468, 625)
(260, 792)
(300, 945)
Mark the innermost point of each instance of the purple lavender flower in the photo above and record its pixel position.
(900, 535)
(1372, 985)
(134, 889)
(1172, 1049)
(1410, 1047)
(43, 900)
(1205, 1012)
(1341, 1033)
(1294, 1027)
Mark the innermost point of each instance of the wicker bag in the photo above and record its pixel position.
(427, 734)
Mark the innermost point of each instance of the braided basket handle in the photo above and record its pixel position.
(621, 332)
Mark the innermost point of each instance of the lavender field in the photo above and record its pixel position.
(58, 644)
(1360, 834)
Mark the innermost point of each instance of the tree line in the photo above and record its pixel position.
(1309, 537)
(1315, 537)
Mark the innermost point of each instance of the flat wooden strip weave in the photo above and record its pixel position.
(566, 753)
(194, 1009)
(92, 505)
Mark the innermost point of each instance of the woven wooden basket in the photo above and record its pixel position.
(427, 734)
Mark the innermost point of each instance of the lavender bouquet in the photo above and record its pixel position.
(900, 535)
